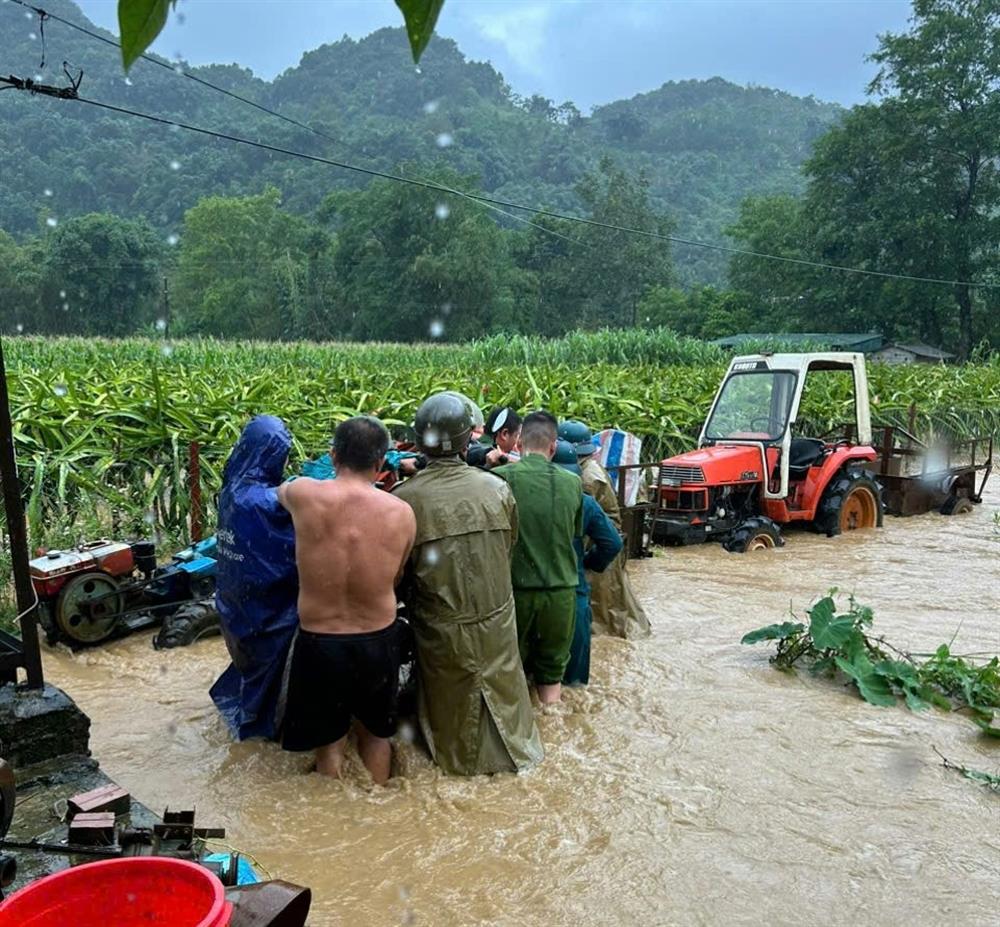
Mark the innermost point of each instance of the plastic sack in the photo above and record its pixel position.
(619, 448)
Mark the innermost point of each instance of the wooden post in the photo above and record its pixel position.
(17, 531)
(194, 489)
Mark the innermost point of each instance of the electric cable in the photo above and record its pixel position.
(490, 201)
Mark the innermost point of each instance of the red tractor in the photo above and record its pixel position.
(752, 471)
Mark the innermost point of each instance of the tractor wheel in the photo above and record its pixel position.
(957, 505)
(188, 624)
(853, 500)
(757, 533)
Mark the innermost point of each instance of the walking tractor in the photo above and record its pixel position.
(753, 472)
(105, 589)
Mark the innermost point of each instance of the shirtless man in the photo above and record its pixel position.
(351, 544)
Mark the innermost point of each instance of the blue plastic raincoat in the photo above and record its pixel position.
(257, 583)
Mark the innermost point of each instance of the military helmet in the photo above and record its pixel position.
(444, 423)
(565, 457)
(579, 435)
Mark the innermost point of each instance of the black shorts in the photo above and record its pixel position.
(333, 678)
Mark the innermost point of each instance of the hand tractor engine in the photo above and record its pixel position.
(107, 589)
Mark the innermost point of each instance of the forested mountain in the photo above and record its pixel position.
(703, 145)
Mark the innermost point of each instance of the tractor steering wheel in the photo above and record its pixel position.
(769, 424)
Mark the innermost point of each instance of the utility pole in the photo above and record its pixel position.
(30, 656)
(166, 307)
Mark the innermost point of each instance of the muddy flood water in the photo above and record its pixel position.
(691, 783)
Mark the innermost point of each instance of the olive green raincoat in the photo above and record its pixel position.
(474, 706)
(616, 609)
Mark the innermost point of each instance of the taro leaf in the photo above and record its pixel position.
(827, 631)
(773, 632)
(873, 687)
(987, 721)
(913, 700)
(898, 671)
(140, 22)
(420, 16)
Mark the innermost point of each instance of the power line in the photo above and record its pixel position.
(567, 217)
(43, 15)
(492, 202)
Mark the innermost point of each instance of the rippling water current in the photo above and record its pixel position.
(691, 783)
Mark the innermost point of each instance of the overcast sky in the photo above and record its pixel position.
(587, 51)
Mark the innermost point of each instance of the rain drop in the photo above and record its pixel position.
(431, 107)
(51, 222)
(60, 389)
(32, 36)
(446, 308)
(62, 294)
(431, 437)
(28, 14)
(19, 327)
(441, 211)
(172, 239)
(417, 70)
(407, 733)
(47, 191)
(436, 328)
(444, 140)
(167, 350)
(161, 325)
(179, 69)
(174, 127)
(38, 78)
(175, 165)
(65, 307)
(432, 555)
(128, 81)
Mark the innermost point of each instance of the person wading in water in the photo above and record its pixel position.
(351, 544)
(474, 708)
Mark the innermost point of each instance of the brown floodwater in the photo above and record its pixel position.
(691, 783)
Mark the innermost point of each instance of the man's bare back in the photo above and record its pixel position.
(351, 544)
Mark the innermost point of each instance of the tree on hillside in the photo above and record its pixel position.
(100, 276)
(247, 269)
(415, 264)
(591, 276)
(908, 184)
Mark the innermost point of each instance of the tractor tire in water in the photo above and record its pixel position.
(188, 624)
(853, 500)
(758, 533)
(957, 505)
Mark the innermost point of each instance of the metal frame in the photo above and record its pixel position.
(799, 364)
(14, 653)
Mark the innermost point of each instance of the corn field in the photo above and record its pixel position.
(102, 428)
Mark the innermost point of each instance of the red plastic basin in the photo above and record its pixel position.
(140, 892)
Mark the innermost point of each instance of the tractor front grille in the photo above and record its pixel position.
(682, 474)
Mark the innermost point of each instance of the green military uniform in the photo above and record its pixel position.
(616, 609)
(474, 708)
(544, 565)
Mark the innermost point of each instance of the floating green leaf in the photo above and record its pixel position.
(421, 17)
(873, 687)
(827, 630)
(140, 22)
(773, 632)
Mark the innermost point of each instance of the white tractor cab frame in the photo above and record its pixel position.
(785, 400)
(752, 473)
